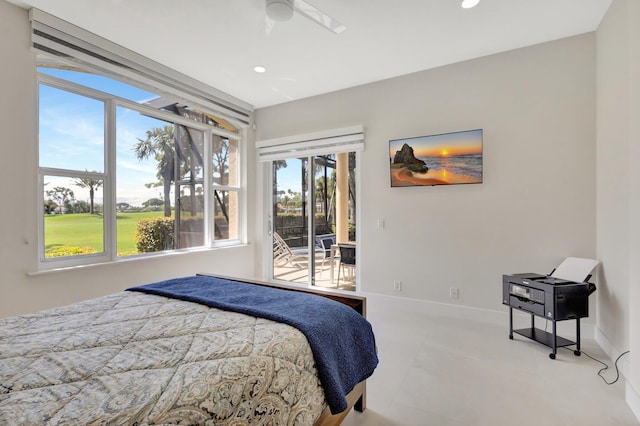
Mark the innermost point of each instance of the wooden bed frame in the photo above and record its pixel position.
(357, 397)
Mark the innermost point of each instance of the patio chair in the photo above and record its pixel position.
(325, 241)
(283, 254)
(347, 259)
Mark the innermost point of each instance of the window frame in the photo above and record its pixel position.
(112, 102)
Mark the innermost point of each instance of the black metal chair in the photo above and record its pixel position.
(347, 258)
(326, 244)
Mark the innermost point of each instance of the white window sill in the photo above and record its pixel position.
(137, 258)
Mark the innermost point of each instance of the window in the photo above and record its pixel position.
(124, 172)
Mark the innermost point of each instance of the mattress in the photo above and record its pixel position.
(135, 358)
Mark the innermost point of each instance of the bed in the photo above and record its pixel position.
(195, 350)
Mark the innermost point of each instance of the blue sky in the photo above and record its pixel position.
(290, 177)
(455, 143)
(72, 136)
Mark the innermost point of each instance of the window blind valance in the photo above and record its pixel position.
(346, 139)
(76, 47)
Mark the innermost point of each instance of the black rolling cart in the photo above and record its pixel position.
(550, 298)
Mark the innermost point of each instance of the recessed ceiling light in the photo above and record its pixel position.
(259, 69)
(468, 4)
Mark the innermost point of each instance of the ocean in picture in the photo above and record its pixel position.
(442, 159)
(464, 165)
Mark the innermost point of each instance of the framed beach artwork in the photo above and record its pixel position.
(444, 159)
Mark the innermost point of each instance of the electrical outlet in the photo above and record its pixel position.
(453, 292)
(397, 285)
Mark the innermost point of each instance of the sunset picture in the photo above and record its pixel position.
(444, 159)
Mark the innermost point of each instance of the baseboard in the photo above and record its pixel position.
(437, 308)
(612, 352)
(633, 400)
(565, 329)
(631, 396)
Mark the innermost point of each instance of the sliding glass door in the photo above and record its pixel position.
(313, 212)
(290, 221)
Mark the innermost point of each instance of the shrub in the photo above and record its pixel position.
(155, 234)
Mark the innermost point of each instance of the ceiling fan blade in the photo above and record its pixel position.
(317, 16)
(269, 24)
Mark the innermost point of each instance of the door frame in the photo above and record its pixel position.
(267, 226)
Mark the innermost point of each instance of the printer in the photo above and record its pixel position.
(561, 295)
(545, 296)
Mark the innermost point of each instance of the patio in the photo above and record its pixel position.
(323, 277)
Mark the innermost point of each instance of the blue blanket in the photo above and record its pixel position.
(342, 341)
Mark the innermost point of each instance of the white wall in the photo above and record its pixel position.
(618, 182)
(613, 175)
(20, 293)
(634, 211)
(537, 203)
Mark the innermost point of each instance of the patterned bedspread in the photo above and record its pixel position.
(138, 358)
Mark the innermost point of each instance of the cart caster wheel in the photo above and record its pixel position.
(577, 353)
(552, 356)
(510, 337)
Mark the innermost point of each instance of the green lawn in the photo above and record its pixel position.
(84, 230)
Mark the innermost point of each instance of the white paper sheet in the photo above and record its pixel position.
(575, 269)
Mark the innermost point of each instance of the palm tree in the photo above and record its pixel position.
(92, 184)
(277, 165)
(221, 159)
(160, 144)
